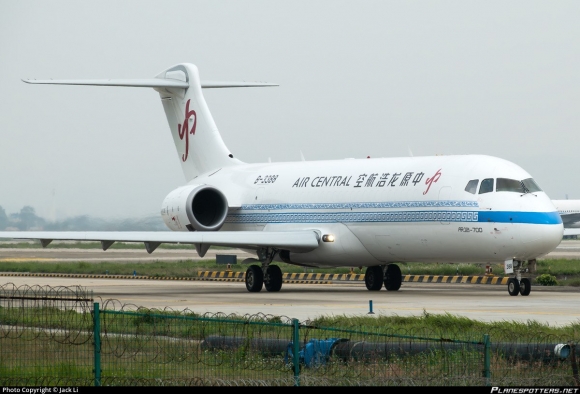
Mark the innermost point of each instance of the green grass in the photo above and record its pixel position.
(559, 267)
(574, 281)
(165, 348)
(451, 326)
(178, 324)
(179, 269)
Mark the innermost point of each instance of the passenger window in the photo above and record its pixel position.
(472, 186)
(486, 186)
(509, 185)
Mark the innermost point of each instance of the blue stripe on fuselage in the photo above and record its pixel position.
(520, 217)
(397, 217)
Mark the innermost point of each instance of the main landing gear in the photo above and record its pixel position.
(519, 285)
(266, 275)
(378, 275)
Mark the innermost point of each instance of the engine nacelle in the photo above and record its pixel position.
(195, 207)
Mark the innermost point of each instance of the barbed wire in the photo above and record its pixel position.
(167, 346)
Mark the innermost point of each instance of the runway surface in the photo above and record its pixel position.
(553, 305)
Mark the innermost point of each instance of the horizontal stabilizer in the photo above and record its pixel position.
(146, 83)
(218, 84)
(138, 83)
(294, 241)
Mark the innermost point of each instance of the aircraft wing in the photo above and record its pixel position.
(571, 231)
(568, 218)
(294, 241)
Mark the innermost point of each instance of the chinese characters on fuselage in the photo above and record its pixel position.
(373, 179)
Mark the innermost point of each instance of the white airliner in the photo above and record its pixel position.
(337, 213)
(569, 211)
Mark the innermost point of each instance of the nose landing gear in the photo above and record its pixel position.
(519, 285)
(513, 287)
(525, 286)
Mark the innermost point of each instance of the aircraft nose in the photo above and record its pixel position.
(539, 240)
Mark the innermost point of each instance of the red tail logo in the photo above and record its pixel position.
(184, 130)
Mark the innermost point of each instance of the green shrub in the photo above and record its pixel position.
(547, 280)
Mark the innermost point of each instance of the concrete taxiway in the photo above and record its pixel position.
(552, 305)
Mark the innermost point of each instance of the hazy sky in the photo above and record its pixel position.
(357, 78)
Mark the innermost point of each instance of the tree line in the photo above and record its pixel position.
(27, 219)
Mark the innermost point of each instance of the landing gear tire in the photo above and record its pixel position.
(254, 278)
(273, 278)
(525, 286)
(393, 277)
(513, 287)
(374, 278)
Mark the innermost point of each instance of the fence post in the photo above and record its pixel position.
(97, 343)
(487, 360)
(296, 351)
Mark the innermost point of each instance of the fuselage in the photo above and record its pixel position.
(470, 208)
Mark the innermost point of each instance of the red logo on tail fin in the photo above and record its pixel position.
(184, 130)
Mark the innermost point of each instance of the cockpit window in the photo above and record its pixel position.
(472, 186)
(486, 186)
(531, 185)
(509, 185)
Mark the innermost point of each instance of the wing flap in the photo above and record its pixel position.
(294, 241)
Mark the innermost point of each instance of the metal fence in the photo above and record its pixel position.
(63, 336)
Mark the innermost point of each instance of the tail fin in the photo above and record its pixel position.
(199, 145)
